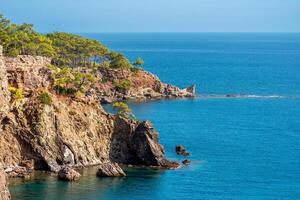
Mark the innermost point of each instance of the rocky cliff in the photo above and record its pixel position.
(4, 193)
(143, 85)
(74, 131)
(4, 93)
(68, 131)
(4, 109)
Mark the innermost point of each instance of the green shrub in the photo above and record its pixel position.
(135, 69)
(123, 110)
(16, 93)
(45, 98)
(119, 61)
(122, 86)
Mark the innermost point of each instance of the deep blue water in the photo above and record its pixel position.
(241, 148)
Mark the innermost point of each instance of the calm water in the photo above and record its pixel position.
(241, 148)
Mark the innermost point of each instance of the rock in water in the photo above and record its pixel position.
(110, 169)
(186, 162)
(4, 193)
(181, 150)
(68, 174)
(147, 149)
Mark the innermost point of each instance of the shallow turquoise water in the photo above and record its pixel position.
(241, 148)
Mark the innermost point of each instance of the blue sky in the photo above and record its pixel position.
(156, 15)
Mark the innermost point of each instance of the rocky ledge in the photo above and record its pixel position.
(4, 193)
(32, 72)
(69, 132)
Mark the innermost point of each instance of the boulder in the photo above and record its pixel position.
(28, 164)
(110, 169)
(68, 174)
(18, 172)
(144, 144)
(186, 162)
(181, 150)
(4, 193)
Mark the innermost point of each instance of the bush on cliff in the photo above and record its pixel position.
(123, 110)
(45, 98)
(65, 49)
(16, 94)
(119, 61)
(68, 81)
(122, 86)
(23, 40)
(74, 50)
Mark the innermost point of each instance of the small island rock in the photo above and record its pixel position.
(110, 169)
(186, 162)
(181, 150)
(68, 174)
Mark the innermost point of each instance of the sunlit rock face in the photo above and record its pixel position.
(4, 93)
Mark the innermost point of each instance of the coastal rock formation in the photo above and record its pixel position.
(186, 162)
(76, 133)
(144, 85)
(109, 169)
(145, 146)
(181, 150)
(68, 174)
(4, 93)
(4, 193)
(28, 72)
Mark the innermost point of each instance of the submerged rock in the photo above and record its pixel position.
(68, 174)
(18, 172)
(181, 150)
(110, 169)
(186, 162)
(4, 193)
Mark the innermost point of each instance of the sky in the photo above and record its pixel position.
(156, 15)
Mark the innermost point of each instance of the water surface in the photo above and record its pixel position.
(241, 148)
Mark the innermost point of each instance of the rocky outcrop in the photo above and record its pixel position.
(4, 193)
(181, 150)
(145, 146)
(76, 133)
(4, 93)
(109, 169)
(186, 162)
(68, 174)
(144, 85)
(28, 72)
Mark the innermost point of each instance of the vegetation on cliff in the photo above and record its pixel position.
(65, 49)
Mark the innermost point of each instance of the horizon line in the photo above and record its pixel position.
(193, 32)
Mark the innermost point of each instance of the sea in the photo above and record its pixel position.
(242, 130)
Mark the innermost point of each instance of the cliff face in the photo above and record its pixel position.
(4, 193)
(29, 72)
(4, 108)
(69, 131)
(76, 133)
(144, 85)
(4, 94)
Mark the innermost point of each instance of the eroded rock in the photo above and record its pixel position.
(4, 193)
(181, 150)
(4, 93)
(68, 174)
(145, 146)
(110, 169)
(186, 162)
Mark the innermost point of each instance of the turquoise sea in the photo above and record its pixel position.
(247, 147)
